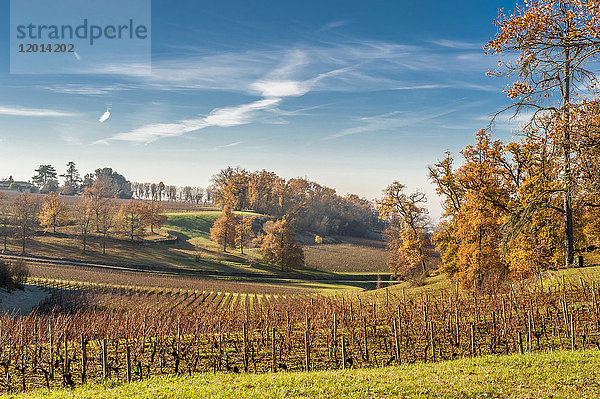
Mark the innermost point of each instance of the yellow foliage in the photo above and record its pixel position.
(54, 213)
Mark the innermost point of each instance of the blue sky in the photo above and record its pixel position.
(351, 94)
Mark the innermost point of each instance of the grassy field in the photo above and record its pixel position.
(194, 252)
(516, 376)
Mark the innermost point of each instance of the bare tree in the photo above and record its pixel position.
(26, 210)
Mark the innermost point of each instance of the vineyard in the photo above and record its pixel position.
(93, 332)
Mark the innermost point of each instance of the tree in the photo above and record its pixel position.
(54, 213)
(51, 186)
(84, 216)
(160, 188)
(131, 219)
(153, 215)
(533, 231)
(98, 195)
(117, 184)
(244, 233)
(551, 42)
(5, 221)
(106, 222)
(406, 236)
(478, 198)
(19, 272)
(280, 247)
(230, 187)
(223, 231)
(25, 217)
(45, 173)
(72, 180)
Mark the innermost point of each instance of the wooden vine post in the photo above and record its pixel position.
(307, 345)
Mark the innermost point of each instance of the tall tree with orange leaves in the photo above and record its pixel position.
(550, 44)
(406, 239)
(223, 231)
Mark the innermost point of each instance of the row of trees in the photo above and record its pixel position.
(95, 212)
(46, 181)
(161, 192)
(304, 203)
(520, 207)
(276, 240)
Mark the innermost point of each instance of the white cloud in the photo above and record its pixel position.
(274, 88)
(458, 44)
(277, 74)
(335, 24)
(85, 89)
(397, 119)
(220, 117)
(359, 66)
(239, 115)
(104, 116)
(34, 112)
(231, 144)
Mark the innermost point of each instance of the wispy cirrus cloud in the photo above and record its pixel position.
(235, 144)
(33, 112)
(397, 119)
(274, 88)
(86, 90)
(457, 44)
(219, 117)
(279, 74)
(359, 65)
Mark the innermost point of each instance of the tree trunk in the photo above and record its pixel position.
(568, 210)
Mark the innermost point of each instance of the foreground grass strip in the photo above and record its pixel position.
(543, 375)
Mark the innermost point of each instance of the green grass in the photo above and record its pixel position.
(540, 375)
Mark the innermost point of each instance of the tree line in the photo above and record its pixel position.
(46, 181)
(162, 192)
(305, 204)
(96, 213)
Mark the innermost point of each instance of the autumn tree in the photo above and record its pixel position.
(153, 215)
(478, 196)
(533, 231)
(550, 44)
(107, 221)
(223, 231)
(54, 212)
(230, 187)
(26, 210)
(131, 219)
(406, 235)
(98, 195)
(586, 163)
(84, 217)
(5, 220)
(280, 248)
(244, 233)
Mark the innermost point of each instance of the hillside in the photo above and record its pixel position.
(516, 376)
